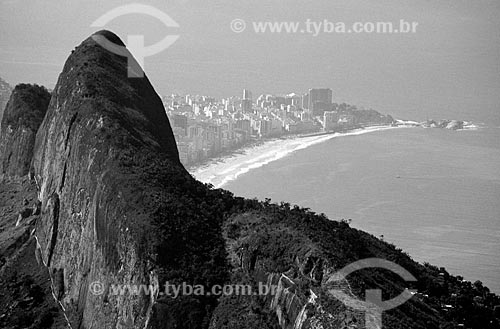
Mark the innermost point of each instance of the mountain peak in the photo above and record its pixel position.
(23, 115)
(110, 36)
(103, 156)
(96, 78)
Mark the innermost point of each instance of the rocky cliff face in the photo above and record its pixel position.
(109, 179)
(22, 118)
(5, 90)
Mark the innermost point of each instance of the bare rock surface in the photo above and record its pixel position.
(113, 195)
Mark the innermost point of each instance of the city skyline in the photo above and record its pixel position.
(204, 126)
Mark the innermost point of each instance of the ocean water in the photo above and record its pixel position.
(432, 192)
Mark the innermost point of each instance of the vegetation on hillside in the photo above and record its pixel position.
(281, 232)
(26, 107)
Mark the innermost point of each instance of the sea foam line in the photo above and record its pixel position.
(229, 169)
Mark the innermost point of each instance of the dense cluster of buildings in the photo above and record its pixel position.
(205, 127)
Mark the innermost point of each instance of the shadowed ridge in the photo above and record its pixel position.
(23, 115)
(26, 107)
(5, 90)
(109, 180)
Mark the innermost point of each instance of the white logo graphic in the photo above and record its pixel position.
(97, 288)
(373, 306)
(135, 42)
(238, 25)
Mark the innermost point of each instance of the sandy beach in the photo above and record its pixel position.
(222, 170)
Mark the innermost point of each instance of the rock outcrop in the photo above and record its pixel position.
(22, 118)
(115, 199)
(445, 124)
(455, 125)
(5, 90)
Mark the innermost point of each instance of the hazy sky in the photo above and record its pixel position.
(449, 68)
